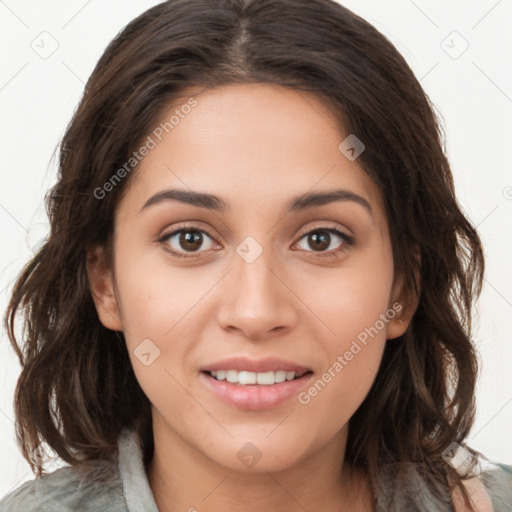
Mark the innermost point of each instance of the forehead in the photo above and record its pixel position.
(253, 144)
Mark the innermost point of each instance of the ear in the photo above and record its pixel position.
(101, 284)
(403, 302)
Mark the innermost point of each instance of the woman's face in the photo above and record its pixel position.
(255, 273)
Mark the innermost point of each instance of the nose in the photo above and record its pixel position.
(256, 300)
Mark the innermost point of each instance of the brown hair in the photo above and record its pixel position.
(77, 389)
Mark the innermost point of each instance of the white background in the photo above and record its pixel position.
(473, 94)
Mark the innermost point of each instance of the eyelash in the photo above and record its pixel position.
(348, 240)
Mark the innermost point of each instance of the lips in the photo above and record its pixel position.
(244, 364)
(246, 383)
(254, 397)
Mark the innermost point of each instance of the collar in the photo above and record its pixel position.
(137, 492)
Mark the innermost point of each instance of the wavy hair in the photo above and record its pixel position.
(77, 389)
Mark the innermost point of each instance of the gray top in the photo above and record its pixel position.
(128, 490)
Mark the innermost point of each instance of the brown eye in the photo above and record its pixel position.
(185, 240)
(190, 240)
(319, 240)
(325, 241)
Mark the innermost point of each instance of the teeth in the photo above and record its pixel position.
(246, 378)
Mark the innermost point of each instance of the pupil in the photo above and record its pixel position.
(320, 241)
(191, 240)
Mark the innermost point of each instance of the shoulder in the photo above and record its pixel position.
(497, 481)
(490, 491)
(66, 490)
(402, 486)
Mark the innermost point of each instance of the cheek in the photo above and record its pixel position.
(353, 344)
(351, 309)
(337, 392)
(156, 296)
(346, 301)
(164, 311)
(155, 309)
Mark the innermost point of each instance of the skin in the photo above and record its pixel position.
(256, 146)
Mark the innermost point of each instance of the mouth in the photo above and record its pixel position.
(255, 391)
(247, 378)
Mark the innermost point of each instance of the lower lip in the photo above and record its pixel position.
(254, 397)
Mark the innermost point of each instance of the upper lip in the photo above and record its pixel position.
(268, 364)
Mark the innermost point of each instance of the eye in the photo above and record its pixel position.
(186, 239)
(322, 238)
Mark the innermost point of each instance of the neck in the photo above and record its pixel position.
(182, 478)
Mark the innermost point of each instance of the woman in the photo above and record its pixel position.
(256, 293)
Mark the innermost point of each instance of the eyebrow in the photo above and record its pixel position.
(297, 203)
